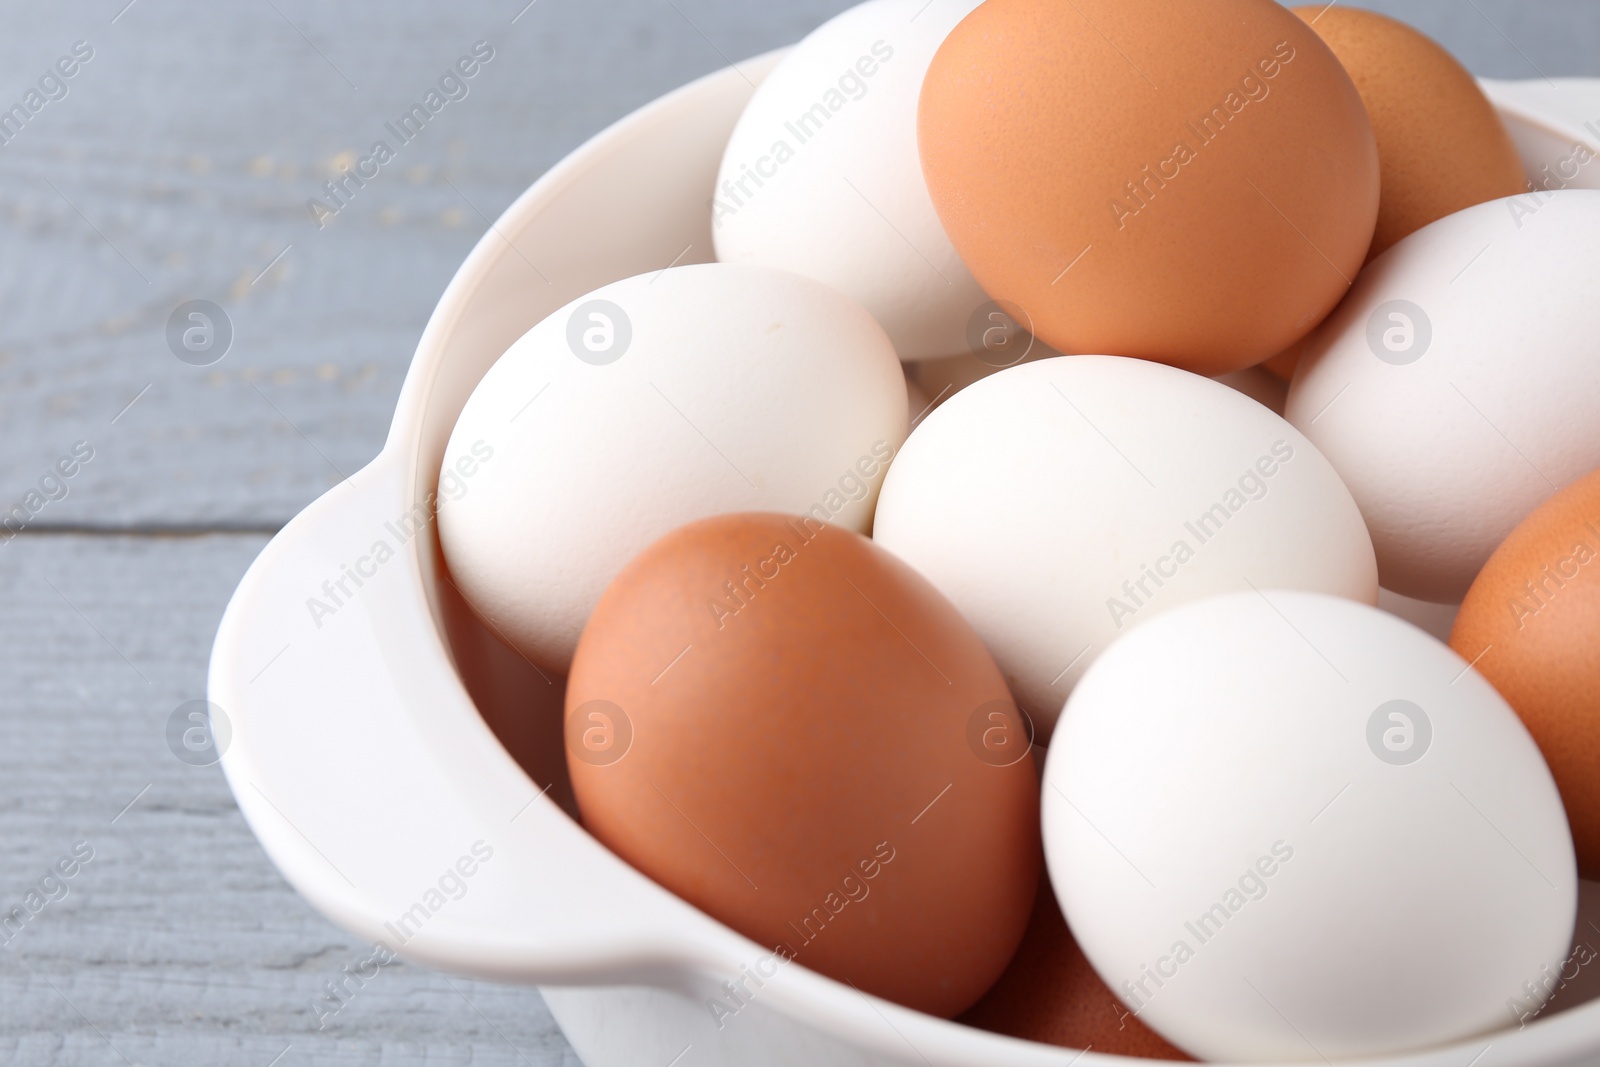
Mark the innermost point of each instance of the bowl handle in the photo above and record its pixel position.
(362, 765)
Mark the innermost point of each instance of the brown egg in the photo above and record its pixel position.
(1441, 145)
(1188, 181)
(791, 729)
(1050, 993)
(1531, 622)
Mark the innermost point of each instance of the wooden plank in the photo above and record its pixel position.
(178, 942)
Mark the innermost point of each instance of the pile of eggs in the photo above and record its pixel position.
(969, 585)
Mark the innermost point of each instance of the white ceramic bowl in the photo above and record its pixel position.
(378, 738)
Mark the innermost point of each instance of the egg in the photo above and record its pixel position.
(1188, 181)
(790, 729)
(821, 175)
(1290, 827)
(1531, 624)
(1051, 994)
(1441, 144)
(1061, 503)
(649, 403)
(1456, 389)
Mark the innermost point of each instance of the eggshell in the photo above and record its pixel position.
(1456, 388)
(1441, 145)
(823, 755)
(1067, 152)
(1359, 850)
(1060, 503)
(821, 175)
(719, 389)
(1051, 994)
(1531, 623)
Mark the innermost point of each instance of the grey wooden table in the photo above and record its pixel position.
(175, 164)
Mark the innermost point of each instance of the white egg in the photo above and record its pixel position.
(1290, 827)
(648, 404)
(1458, 385)
(822, 175)
(1060, 503)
